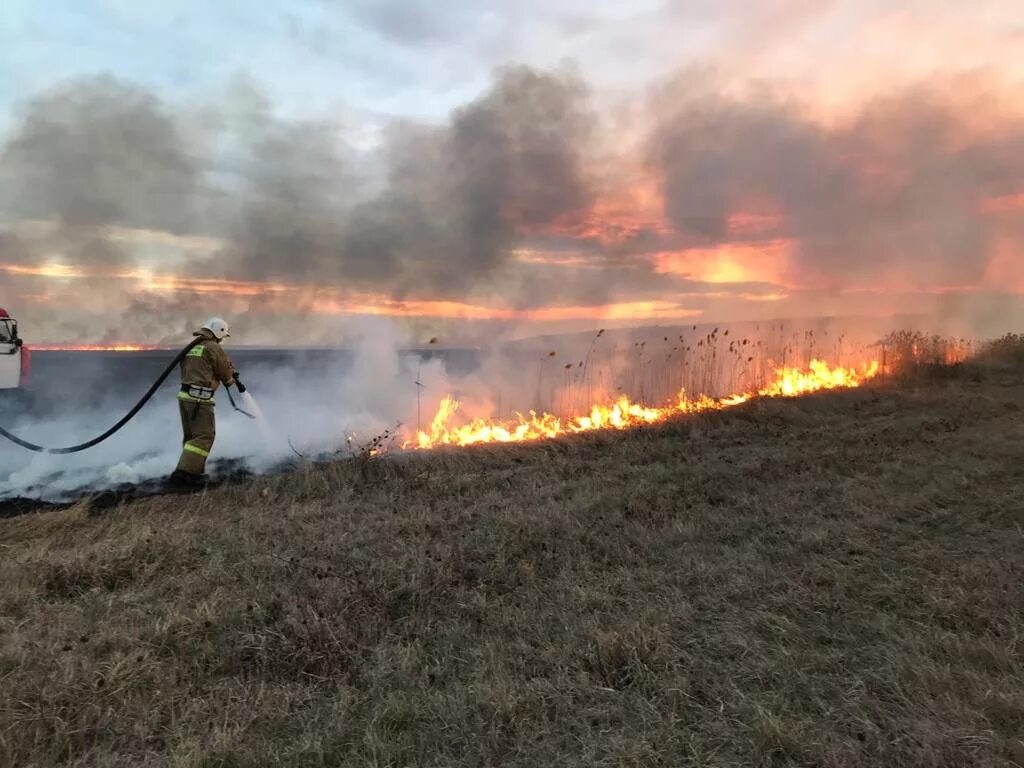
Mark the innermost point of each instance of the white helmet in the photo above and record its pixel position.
(218, 327)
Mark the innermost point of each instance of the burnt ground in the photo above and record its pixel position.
(829, 581)
(223, 472)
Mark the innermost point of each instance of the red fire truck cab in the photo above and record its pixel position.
(15, 360)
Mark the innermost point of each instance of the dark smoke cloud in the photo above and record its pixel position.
(13, 250)
(164, 319)
(896, 190)
(296, 198)
(453, 201)
(88, 156)
(100, 151)
(456, 197)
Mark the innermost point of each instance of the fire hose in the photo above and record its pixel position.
(128, 416)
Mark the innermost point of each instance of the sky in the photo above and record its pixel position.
(497, 168)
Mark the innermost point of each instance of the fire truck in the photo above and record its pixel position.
(15, 359)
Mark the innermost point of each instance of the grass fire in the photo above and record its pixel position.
(623, 413)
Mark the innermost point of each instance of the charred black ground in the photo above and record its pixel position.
(222, 473)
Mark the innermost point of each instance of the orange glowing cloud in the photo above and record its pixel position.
(1005, 204)
(173, 284)
(48, 270)
(628, 310)
(463, 310)
(620, 214)
(112, 347)
(159, 283)
(761, 225)
(333, 302)
(1005, 271)
(764, 262)
(550, 259)
(367, 305)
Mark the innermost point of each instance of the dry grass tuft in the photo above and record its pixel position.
(1006, 353)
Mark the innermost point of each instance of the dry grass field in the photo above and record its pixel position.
(831, 581)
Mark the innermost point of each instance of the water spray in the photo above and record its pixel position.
(246, 398)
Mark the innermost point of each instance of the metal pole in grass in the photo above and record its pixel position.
(419, 388)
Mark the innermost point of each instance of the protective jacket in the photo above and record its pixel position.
(205, 367)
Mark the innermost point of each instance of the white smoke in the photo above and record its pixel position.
(334, 409)
(314, 412)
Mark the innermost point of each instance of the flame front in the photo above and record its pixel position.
(622, 414)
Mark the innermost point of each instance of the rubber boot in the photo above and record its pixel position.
(181, 479)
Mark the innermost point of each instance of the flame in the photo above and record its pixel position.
(96, 347)
(791, 382)
(622, 414)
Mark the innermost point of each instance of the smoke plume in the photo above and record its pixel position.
(125, 215)
(100, 152)
(895, 191)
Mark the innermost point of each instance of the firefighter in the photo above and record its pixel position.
(206, 366)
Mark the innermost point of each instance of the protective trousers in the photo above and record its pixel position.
(199, 428)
